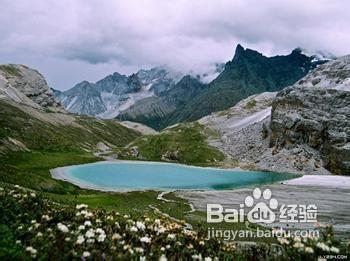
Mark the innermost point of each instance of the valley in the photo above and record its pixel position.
(301, 129)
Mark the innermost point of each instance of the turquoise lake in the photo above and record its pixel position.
(145, 175)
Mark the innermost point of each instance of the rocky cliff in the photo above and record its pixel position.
(315, 113)
(303, 129)
(25, 85)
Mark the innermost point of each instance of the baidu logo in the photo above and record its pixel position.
(263, 209)
(261, 212)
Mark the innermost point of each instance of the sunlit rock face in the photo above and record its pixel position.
(315, 112)
(25, 85)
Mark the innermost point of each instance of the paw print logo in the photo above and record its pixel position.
(261, 212)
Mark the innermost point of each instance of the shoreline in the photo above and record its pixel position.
(330, 181)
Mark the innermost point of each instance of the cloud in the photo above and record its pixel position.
(185, 35)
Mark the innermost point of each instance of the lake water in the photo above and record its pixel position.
(146, 175)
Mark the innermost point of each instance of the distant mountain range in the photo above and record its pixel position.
(159, 98)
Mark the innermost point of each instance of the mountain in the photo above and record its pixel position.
(158, 98)
(114, 93)
(302, 129)
(161, 111)
(25, 85)
(315, 114)
(249, 72)
(32, 120)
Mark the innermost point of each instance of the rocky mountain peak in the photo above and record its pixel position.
(240, 52)
(25, 85)
(314, 115)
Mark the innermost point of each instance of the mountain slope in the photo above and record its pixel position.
(315, 113)
(303, 129)
(248, 73)
(159, 112)
(25, 85)
(31, 119)
(114, 93)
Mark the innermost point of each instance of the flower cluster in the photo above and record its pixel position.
(35, 227)
(311, 246)
(47, 230)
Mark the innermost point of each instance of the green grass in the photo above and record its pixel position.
(11, 70)
(44, 136)
(250, 105)
(188, 139)
(31, 169)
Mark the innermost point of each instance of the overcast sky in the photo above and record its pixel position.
(74, 40)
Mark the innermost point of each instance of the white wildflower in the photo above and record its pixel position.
(90, 241)
(334, 249)
(139, 250)
(98, 220)
(323, 246)
(63, 228)
(140, 225)
(39, 234)
(81, 227)
(116, 236)
(145, 239)
(208, 259)
(67, 239)
(171, 236)
(100, 231)
(298, 245)
(80, 239)
(46, 217)
(86, 254)
(283, 241)
(117, 224)
(33, 194)
(90, 233)
(81, 206)
(101, 237)
(163, 258)
(87, 223)
(18, 242)
(133, 229)
(32, 251)
(309, 250)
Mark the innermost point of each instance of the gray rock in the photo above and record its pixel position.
(25, 85)
(316, 114)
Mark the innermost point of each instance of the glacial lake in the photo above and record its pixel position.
(131, 175)
(136, 175)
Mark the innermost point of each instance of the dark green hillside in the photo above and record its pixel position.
(42, 135)
(185, 143)
(248, 73)
(160, 112)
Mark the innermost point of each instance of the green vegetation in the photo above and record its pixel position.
(32, 226)
(31, 169)
(250, 105)
(185, 143)
(10, 70)
(78, 134)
